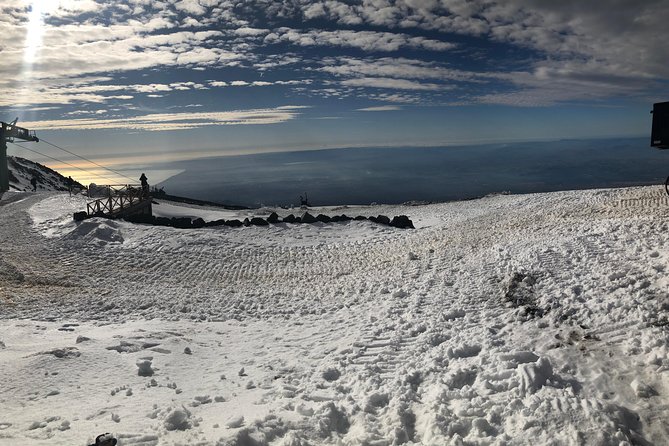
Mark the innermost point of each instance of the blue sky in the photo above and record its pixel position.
(155, 80)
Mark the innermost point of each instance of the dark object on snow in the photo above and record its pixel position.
(308, 218)
(141, 218)
(519, 290)
(273, 218)
(402, 222)
(182, 222)
(257, 221)
(660, 134)
(382, 219)
(33, 181)
(104, 440)
(80, 216)
(162, 221)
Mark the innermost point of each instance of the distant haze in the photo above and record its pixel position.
(396, 175)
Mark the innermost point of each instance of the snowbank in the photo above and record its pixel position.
(532, 319)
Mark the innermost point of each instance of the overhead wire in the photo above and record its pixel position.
(61, 161)
(86, 159)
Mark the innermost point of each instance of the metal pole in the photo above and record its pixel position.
(4, 170)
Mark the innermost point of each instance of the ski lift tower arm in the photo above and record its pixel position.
(11, 132)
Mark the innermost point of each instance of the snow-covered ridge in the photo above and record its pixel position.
(21, 171)
(518, 319)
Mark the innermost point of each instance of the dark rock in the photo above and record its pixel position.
(323, 218)
(246, 222)
(80, 216)
(198, 223)
(335, 219)
(308, 218)
(344, 217)
(360, 217)
(382, 219)
(162, 221)
(257, 221)
(140, 218)
(289, 219)
(233, 223)
(182, 222)
(373, 219)
(402, 221)
(298, 220)
(220, 222)
(273, 218)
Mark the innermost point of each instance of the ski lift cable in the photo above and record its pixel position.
(86, 159)
(61, 161)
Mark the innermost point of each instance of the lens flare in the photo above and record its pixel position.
(35, 32)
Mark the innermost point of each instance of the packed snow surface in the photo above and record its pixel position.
(529, 319)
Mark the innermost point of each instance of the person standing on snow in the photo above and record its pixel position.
(145, 185)
(70, 184)
(33, 181)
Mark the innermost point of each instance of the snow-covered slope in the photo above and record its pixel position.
(529, 319)
(21, 171)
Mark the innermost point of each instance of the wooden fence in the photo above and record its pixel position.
(120, 199)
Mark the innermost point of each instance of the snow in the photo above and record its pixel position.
(22, 171)
(514, 319)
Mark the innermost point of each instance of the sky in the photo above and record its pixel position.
(143, 81)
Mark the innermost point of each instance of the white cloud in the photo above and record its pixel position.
(94, 93)
(400, 98)
(403, 68)
(380, 108)
(191, 7)
(173, 121)
(248, 31)
(397, 84)
(365, 40)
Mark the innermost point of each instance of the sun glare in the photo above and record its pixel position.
(35, 31)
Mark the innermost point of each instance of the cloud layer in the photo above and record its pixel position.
(92, 55)
(172, 121)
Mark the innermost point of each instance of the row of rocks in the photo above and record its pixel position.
(401, 221)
